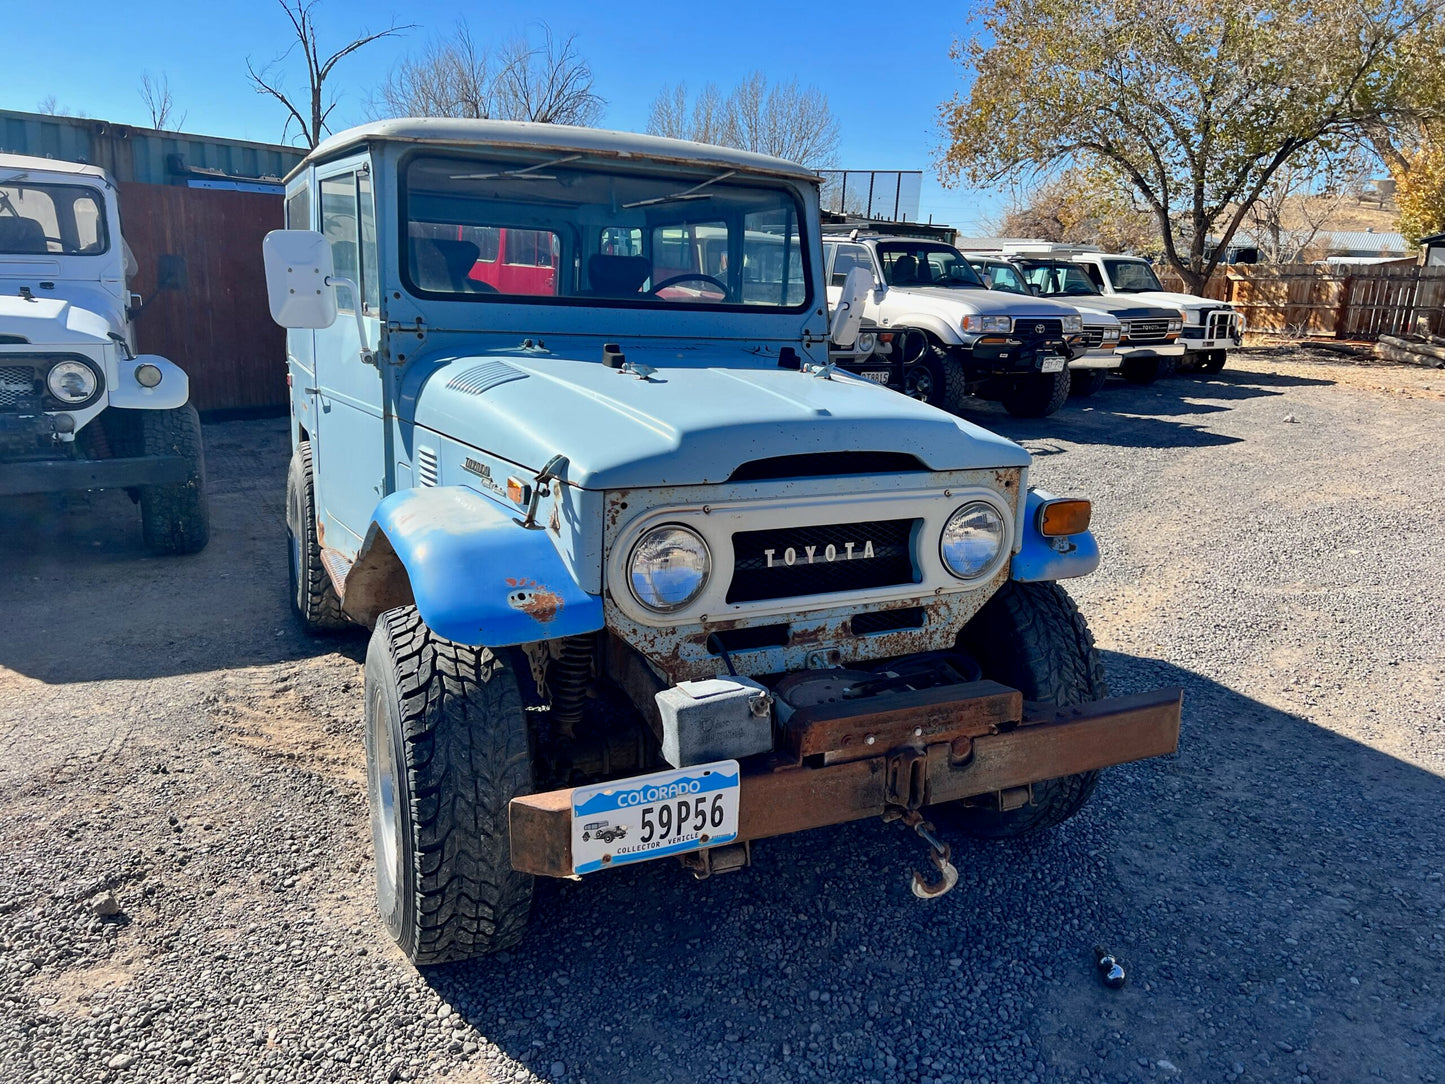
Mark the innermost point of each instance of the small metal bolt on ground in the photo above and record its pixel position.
(1111, 973)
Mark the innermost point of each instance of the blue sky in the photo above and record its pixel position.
(885, 68)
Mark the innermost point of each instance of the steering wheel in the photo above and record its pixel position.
(695, 277)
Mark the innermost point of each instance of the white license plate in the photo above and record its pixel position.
(649, 816)
(1053, 365)
(876, 377)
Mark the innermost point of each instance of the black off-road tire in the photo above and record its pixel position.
(313, 595)
(940, 373)
(1140, 370)
(175, 518)
(1037, 395)
(1087, 382)
(1032, 637)
(447, 749)
(1213, 362)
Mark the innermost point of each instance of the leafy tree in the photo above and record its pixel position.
(1420, 192)
(1083, 206)
(780, 119)
(1195, 104)
(312, 112)
(546, 81)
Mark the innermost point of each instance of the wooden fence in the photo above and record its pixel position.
(1321, 301)
(204, 290)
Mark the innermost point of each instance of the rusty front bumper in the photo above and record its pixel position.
(863, 758)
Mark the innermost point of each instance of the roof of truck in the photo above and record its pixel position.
(51, 165)
(511, 134)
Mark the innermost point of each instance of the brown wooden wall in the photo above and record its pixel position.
(1320, 300)
(204, 289)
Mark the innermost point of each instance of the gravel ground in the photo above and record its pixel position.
(1275, 890)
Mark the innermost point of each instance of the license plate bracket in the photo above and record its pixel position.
(1054, 364)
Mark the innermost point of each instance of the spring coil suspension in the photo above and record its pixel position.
(568, 678)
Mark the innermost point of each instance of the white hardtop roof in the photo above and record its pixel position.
(515, 134)
(50, 165)
(858, 237)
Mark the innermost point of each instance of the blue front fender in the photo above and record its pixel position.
(1040, 559)
(477, 576)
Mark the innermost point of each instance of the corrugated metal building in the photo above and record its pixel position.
(194, 210)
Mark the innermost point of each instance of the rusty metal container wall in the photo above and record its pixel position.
(211, 318)
(139, 154)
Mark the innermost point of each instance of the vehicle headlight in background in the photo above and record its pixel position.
(988, 323)
(71, 382)
(147, 375)
(669, 568)
(1073, 325)
(1177, 324)
(865, 343)
(972, 538)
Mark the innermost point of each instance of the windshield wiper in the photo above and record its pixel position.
(526, 173)
(695, 192)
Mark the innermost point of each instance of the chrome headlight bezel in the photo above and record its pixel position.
(1073, 325)
(73, 364)
(702, 574)
(977, 570)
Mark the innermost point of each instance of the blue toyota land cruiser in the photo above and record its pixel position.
(646, 574)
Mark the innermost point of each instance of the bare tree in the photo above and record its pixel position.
(156, 93)
(782, 119)
(1297, 203)
(548, 82)
(311, 115)
(52, 108)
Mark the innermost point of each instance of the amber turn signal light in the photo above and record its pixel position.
(1068, 516)
(518, 491)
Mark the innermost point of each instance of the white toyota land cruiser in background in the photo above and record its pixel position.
(1210, 327)
(79, 409)
(959, 338)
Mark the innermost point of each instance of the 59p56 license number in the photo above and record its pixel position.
(649, 816)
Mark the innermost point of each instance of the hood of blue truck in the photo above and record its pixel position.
(684, 423)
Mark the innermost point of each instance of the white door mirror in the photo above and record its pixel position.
(848, 312)
(299, 278)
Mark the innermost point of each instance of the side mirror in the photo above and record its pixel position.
(300, 278)
(848, 313)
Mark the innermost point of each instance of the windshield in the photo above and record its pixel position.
(1131, 276)
(1001, 276)
(557, 229)
(1059, 278)
(53, 219)
(926, 263)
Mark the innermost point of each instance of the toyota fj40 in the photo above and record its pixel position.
(954, 336)
(78, 408)
(639, 561)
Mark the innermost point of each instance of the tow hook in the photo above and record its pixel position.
(939, 853)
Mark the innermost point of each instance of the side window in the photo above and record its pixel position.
(849, 257)
(1095, 275)
(338, 223)
(298, 209)
(621, 241)
(370, 279)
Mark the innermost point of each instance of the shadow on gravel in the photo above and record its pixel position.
(83, 600)
(1272, 889)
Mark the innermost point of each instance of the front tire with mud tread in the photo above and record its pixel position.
(448, 718)
(175, 518)
(1031, 636)
(947, 387)
(1037, 395)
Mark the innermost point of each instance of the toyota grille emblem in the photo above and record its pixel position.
(1039, 329)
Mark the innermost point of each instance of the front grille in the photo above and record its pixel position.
(1093, 337)
(797, 561)
(1026, 327)
(1147, 331)
(19, 389)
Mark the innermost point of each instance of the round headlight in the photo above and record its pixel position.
(147, 375)
(972, 539)
(71, 381)
(867, 340)
(669, 568)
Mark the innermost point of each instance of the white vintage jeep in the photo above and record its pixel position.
(79, 409)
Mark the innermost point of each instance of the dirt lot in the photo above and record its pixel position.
(1271, 543)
